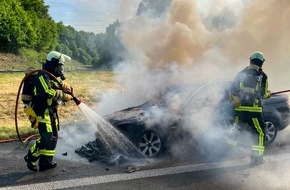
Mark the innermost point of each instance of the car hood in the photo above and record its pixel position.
(149, 114)
(133, 115)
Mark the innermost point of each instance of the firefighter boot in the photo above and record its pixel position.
(47, 167)
(45, 163)
(30, 164)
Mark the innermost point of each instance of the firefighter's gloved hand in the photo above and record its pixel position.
(235, 100)
(269, 94)
(66, 87)
(31, 116)
(67, 97)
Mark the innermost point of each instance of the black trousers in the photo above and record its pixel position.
(44, 147)
(251, 127)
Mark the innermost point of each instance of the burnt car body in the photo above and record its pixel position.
(151, 124)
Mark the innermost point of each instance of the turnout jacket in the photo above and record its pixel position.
(259, 88)
(44, 102)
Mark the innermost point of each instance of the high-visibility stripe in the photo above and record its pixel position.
(266, 94)
(26, 97)
(43, 152)
(231, 142)
(249, 108)
(260, 148)
(47, 152)
(45, 87)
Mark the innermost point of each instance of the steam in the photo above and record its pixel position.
(199, 41)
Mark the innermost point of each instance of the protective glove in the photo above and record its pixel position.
(66, 97)
(31, 116)
(65, 87)
(269, 94)
(235, 100)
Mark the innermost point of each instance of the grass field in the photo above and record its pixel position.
(88, 86)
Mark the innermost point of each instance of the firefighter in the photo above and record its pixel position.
(249, 87)
(41, 108)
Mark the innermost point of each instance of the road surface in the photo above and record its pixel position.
(74, 172)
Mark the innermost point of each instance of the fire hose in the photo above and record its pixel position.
(24, 140)
(280, 92)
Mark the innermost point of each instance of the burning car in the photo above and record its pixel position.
(150, 124)
(155, 124)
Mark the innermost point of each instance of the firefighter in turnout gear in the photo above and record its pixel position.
(41, 97)
(248, 88)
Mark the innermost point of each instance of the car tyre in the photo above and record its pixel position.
(270, 132)
(150, 144)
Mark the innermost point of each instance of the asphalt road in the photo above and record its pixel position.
(74, 172)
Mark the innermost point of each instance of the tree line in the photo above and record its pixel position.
(27, 25)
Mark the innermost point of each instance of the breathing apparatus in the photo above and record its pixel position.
(55, 62)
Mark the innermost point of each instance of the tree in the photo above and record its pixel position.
(43, 24)
(109, 47)
(14, 32)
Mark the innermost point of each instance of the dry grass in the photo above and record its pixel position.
(88, 86)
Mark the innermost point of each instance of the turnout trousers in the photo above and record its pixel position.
(44, 147)
(251, 132)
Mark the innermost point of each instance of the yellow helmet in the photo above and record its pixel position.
(257, 55)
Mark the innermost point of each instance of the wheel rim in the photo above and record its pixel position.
(270, 131)
(149, 144)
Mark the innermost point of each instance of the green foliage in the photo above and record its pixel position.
(27, 28)
(26, 24)
(32, 57)
(14, 32)
(79, 45)
(109, 47)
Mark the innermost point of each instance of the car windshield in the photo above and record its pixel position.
(187, 97)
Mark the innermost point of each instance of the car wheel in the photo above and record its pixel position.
(270, 132)
(150, 144)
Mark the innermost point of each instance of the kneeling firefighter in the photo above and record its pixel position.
(41, 96)
(249, 87)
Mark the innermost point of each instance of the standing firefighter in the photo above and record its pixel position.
(41, 96)
(249, 87)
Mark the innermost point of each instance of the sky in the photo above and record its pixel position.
(91, 15)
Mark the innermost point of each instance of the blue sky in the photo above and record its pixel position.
(91, 15)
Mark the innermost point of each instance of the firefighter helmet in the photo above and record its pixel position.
(257, 55)
(55, 55)
(55, 63)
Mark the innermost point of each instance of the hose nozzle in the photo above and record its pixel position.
(77, 101)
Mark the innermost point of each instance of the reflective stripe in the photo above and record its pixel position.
(249, 108)
(228, 140)
(47, 152)
(266, 94)
(26, 97)
(260, 147)
(231, 142)
(45, 87)
(249, 90)
(35, 152)
(43, 152)
(46, 120)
